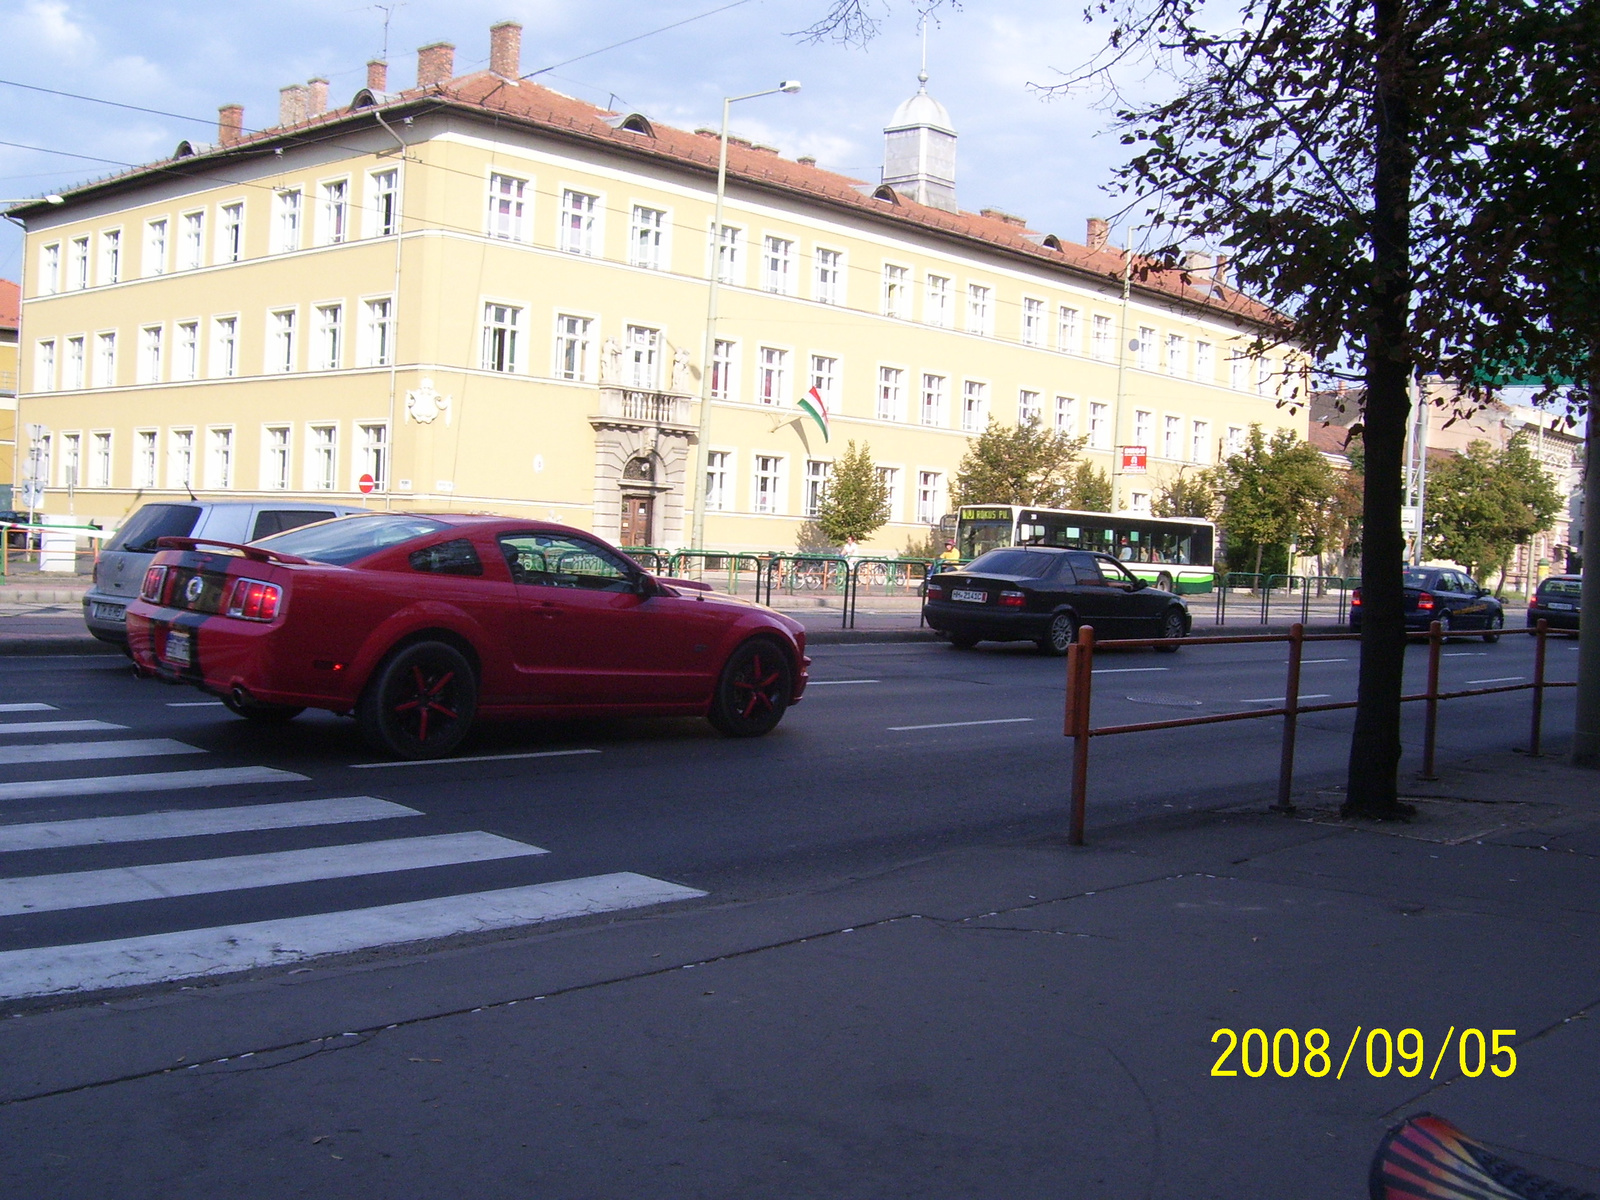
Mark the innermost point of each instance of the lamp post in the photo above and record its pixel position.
(52, 198)
(702, 456)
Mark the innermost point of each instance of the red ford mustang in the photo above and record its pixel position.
(419, 624)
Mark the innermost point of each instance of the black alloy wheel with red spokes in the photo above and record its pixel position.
(753, 690)
(420, 702)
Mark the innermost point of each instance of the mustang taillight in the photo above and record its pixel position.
(254, 600)
(1424, 601)
(1013, 599)
(150, 589)
(1355, 598)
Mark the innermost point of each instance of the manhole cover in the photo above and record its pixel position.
(1167, 701)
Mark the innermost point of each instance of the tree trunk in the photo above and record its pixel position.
(1372, 788)
(1586, 722)
(1259, 548)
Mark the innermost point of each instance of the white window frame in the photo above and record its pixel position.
(1172, 437)
(889, 476)
(328, 346)
(896, 299)
(891, 402)
(974, 405)
(1238, 370)
(828, 275)
(648, 231)
(1205, 364)
(288, 220)
(1030, 406)
(220, 449)
(153, 259)
(1069, 329)
(643, 348)
(376, 222)
(1033, 310)
(283, 342)
(105, 359)
(152, 353)
(1146, 360)
(936, 301)
(186, 350)
(75, 365)
(230, 231)
(769, 500)
(110, 256)
(1066, 415)
(814, 490)
(777, 264)
(507, 213)
(1177, 356)
(180, 458)
(277, 457)
(725, 369)
(78, 263)
(930, 497)
(1099, 425)
(375, 339)
(50, 269)
(580, 227)
(727, 251)
(503, 324)
(322, 456)
(1235, 441)
(1103, 338)
(1200, 442)
(44, 365)
(574, 341)
(191, 248)
(980, 309)
(100, 458)
(933, 406)
(333, 211)
(371, 455)
(224, 357)
(146, 457)
(1144, 429)
(824, 376)
(719, 471)
(772, 376)
(71, 459)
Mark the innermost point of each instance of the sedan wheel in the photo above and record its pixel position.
(1062, 633)
(1496, 623)
(420, 702)
(266, 714)
(753, 690)
(1164, 581)
(1172, 626)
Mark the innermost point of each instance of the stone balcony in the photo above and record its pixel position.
(633, 407)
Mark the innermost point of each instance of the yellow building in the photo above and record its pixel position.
(10, 296)
(487, 295)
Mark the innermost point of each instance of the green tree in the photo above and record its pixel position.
(856, 503)
(1021, 464)
(1089, 489)
(1185, 496)
(1485, 502)
(1272, 493)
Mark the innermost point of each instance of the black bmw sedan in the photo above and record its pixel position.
(1040, 594)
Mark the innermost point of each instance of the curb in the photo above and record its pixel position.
(11, 594)
(837, 637)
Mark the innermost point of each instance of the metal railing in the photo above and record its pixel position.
(818, 573)
(885, 577)
(1080, 677)
(697, 564)
(652, 558)
(1261, 589)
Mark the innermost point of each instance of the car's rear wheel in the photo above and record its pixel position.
(1444, 624)
(1496, 623)
(1172, 626)
(963, 641)
(753, 690)
(266, 714)
(1059, 637)
(420, 702)
(1164, 581)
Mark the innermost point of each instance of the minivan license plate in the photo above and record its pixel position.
(179, 647)
(970, 596)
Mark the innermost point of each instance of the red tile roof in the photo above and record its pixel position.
(10, 305)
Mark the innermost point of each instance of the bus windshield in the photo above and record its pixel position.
(979, 536)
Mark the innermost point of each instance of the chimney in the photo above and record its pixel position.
(1219, 273)
(805, 160)
(292, 102)
(436, 63)
(1098, 233)
(378, 76)
(230, 124)
(317, 97)
(995, 214)
(505, 49)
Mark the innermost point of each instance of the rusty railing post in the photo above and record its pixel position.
(1080, 674)
(1291, 713)
(1430, 725)
(1538, 686)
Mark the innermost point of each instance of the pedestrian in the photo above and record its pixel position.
(951, 554)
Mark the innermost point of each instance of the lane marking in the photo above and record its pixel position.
(959, 724)
(1283, 699)
(155, 781)
(27, 708)
(1466, 654)
(839, 682)
(194, 703)
(433, 762)
(203, 876)
(1496, 679)
(77, 751)
(56, 726)
(133, 962)
(1127, 670)
(149, 827)
(1306, 662)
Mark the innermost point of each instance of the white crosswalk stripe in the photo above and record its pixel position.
(79, 751)
(156, 826)
(157, 781)
(14, 728)
(30, 707)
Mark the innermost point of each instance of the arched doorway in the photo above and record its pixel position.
(638, 504)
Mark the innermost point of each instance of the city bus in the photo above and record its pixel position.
(1173, 553)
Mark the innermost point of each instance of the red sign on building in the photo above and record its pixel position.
(1135, 460)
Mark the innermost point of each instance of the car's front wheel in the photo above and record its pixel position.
(1172, 626)
(753, 690)
(1496, 623)
(420, 703)
(1059, 637)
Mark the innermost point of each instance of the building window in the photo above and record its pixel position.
(1235, 441)
(730, 255)
(186, 364)
(930, 486)
(44, 456)
(322, 465)
(974, 406)
(155, 247)
(1238, 371)
(44, 366)
(572, 347)
(383, 203)
(1140, 502)
(935, 390)
(1101, 340)
(891, 393)
(335, 213)
(980, 316)
(111, 256)
(100, 460)
(894, 290)
(71, 452)
(1172, 437)
(772, 377)
(718, 463)
(144, 458)
(1264, 371)
(50, 269)
(286, 220)
(105, 360)
(1067, 416)
(722, 371)
(825, 378)
(646, 237)
(777, 265)
(578, 221)
(643, 350)
(1142, 427)
(377, 332)
(1068, 331)
(225, 347)
(150, 338)
(889, 477)
(507, 208)
(767, 495)
(219, 458)
(180, 459)
(1176, 365)
(1032, 322)
(1200, 442)
(372, 454)
(817, 475)
(1205, 367)
(76, 364)
(500, 325)
(78, 264)
(230, 233)
(1099, 426)
(829, 282)
(330, 337)
(275, 458)
(936, 304)
(1028, 410)
(280, 341)
(1147, 348)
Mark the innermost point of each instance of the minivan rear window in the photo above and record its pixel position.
(350, 538)
(155, 521)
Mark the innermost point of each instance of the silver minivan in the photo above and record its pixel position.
(122, 564)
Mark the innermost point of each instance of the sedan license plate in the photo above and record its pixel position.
(1564, 607)
(109, 612)
(180, 647)
(968, 595)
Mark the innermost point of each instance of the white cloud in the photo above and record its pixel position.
(50, 23)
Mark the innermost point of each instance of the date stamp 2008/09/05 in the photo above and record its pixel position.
(1288, 1053)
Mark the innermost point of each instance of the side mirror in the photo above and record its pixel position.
(1140, 584)
(1483, 591)
(646, 586)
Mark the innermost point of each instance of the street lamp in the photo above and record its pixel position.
(52, 198)
(702, 455)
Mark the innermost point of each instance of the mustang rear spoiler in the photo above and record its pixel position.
(254, 553)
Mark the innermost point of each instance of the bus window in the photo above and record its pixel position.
(979, 537)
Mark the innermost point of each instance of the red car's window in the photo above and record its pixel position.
(351, 538)
(455, 557)
(560, 560)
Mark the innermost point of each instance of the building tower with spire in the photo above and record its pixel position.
(919, 147)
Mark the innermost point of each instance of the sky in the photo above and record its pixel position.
(1045, 159)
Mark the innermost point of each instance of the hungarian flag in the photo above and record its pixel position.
(811, 403)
